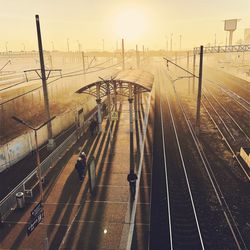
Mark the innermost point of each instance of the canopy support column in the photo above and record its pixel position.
(130, 99)
(136, 103)
(109, 110)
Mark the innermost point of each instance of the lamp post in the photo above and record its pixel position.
(38, 161)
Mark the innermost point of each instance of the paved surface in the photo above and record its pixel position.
(75, 219)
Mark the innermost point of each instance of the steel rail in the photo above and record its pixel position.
(227, 143)
(219, 194)
(166, 174)
(234, 121)
(234, 97)
(219, 116)
(227, 91)
(186, 175)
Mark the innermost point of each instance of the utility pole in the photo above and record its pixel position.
(180, 41)
(44, 82)
(188, 70)
(6, 46)
(123, 56)
(83, 63)
(68, 44)
(171, 42)
(197, 123)
(193, 87)
(137, 57)
(215, 40)
(143, 55)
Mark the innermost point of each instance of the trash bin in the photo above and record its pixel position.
(20, 200)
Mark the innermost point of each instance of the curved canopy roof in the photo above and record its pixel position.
(141, 81)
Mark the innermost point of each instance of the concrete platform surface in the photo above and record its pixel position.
(76, 219)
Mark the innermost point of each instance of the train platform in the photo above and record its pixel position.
(75, 218)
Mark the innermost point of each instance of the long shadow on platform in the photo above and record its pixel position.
(93, 238)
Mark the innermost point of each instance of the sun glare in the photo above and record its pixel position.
(130, 24)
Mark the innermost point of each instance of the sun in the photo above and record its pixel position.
(130, 24)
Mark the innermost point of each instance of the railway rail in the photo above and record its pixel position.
(192, 224)
(232, 224)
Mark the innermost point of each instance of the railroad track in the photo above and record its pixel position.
(239, 241)
(239, 100)
(236, 130)
(192, 223)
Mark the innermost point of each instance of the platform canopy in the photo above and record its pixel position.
(140, 81)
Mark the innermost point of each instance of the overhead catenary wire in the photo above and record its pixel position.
(63, 76)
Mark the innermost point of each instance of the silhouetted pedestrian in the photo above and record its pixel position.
(93, 126)
(104, 109)
(132, 177)
(79, 166)
(84, 159)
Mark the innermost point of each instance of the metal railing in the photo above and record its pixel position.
(8, 203)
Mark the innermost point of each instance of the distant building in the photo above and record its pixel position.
(247, 36)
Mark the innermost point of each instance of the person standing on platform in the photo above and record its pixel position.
(132, 177)
(93, 126)
(83, 159)
(79, 166)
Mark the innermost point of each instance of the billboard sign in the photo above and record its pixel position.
(230, 24)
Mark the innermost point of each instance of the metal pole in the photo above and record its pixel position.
(188, 70)
(109, 110)
(44, 82)
(83, 63)
(130, 108)
(193, 72)
(137, 57)
(197, 123)
(123, 56)
(230, 38)
(136, 102)
(171, 39)
(115, 95)
(39, 174)
(130, 99)
(98, 100)
(68, 44)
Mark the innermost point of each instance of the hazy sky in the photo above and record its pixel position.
(147, 22)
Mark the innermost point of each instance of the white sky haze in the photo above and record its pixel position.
(142, 22)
